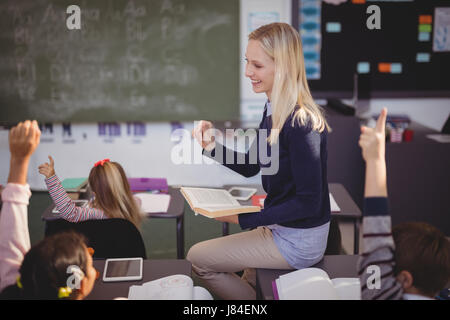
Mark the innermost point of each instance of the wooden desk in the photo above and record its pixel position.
(338, 266)
(175, 211)
(349, 209)
(153, 269)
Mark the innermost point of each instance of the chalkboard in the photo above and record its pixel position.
(157, 60)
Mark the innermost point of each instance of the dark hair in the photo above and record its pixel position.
(44, 268)
(424, 251)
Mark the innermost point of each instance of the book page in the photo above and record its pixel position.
(347, 288)
(306, 284)
(202, 197)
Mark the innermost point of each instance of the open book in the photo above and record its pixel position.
(315, 284)
(176, 287)
(214, 203)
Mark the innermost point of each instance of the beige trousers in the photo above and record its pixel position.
(216, 261)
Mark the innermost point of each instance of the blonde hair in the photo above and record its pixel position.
(282, 43)
(113, 194)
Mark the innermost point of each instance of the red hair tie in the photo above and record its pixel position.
(101, 162)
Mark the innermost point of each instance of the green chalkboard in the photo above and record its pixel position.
(149, 60)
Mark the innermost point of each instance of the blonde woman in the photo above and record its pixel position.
(112, 194)
(291, 231)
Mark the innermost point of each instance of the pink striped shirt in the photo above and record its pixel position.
(66, 207)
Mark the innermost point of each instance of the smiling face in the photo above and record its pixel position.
(260, 68)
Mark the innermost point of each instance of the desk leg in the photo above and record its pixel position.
(180, 237)
(225, 230)
(356, 236)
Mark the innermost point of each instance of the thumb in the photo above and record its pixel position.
(52, 163)
(381, 122)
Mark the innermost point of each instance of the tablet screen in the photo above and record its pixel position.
(123, 268)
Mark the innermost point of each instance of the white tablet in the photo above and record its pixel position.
(240, 193)
(123, 269)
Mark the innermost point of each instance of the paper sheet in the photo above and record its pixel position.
(153, 203)
(333, 204)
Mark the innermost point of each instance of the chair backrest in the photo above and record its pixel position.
(334, 243)
(110, 238)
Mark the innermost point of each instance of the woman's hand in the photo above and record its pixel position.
(230, 219)
(203, 133)
(372, 141)
(47, 169)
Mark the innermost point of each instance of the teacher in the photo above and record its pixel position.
(291, 231)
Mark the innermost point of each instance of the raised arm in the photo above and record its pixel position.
(66, 206)
(376, 265)
(241, 163)
(14, 234)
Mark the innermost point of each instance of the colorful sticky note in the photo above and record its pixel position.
(425, 19)
(423, 57)
(396, 68)
(363, 67)
(424, 36)
(424, 27)
(333, 27)
(384, 67)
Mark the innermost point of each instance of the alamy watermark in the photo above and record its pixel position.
(374, 280)
(189, 151)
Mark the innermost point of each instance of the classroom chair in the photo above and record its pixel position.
(110, 238)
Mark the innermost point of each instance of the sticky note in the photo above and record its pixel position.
(358, 1)
(384, 67)
(311, 55)
(424, 36)
(396, 68)
(423, 57)
(333, 27)
(425, 19)
(363, 67)
(424, 27)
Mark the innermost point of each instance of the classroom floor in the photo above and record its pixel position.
(160, 234)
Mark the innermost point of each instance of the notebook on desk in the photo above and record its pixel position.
(148, 184)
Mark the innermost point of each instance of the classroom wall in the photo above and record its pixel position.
(161, 152)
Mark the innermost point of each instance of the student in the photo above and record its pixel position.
(112, 194)
(413, 260)
(39, 273)
(292, 229)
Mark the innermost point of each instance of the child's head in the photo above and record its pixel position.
(58, 267)
(422, 258)
(112, 192)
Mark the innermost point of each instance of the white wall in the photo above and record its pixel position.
(431, 113)
(151, 157)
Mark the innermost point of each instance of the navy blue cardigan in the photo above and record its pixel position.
(297, 195)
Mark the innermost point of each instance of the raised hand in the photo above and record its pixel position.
(23, 141)
(372, 140)
(48, 169)
(203, 134)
